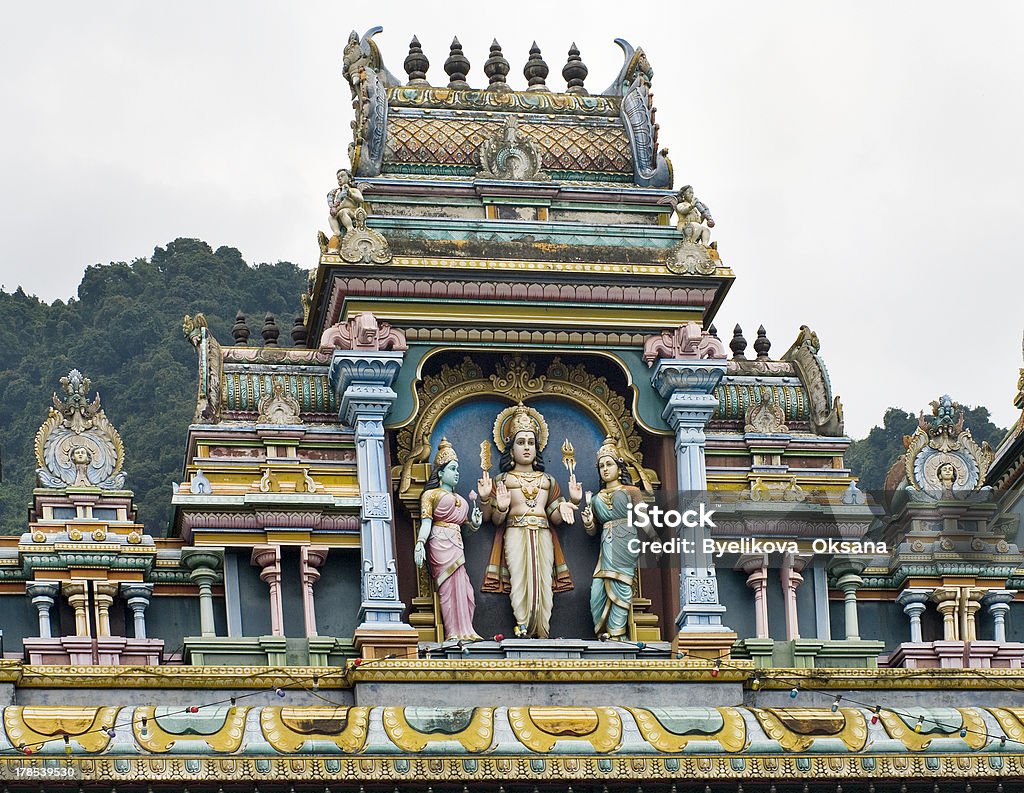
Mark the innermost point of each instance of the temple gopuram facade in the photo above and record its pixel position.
(406, 551)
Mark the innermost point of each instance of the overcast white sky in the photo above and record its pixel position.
(863, 160)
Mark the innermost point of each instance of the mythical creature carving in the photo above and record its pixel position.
(211, 368)
(509, 154)
(369, 80)
(279, 406)
(363, 332)
(651, 167)
(942, 458)
(77, 446)
(686, 341)
(826, 410)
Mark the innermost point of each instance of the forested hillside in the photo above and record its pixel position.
(124, 332)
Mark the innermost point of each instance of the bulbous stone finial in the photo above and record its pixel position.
(496, 68)
(713, 331)
(299, 334)
(535, 71)
(270, 330)
(456, 66)
(762, 344)
(240, 330)
(574, 72)
(738, 345)
(416, 63)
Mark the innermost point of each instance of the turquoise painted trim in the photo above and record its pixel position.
(649, 404)
(405, 385)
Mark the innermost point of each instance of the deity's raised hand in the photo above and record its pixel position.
(502, 497)
(575, 490)
(568, 512)
(484, 485)
(476, 517)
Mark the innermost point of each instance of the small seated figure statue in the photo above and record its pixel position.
(443, 512)
(342, 203)
(693, 218)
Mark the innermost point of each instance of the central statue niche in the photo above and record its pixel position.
(527, 554)
(523, 450)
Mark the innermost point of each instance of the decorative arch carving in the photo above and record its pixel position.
(514, 378)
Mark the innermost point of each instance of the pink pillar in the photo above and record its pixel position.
(268, 559)
(312, 557)
(757, 580)
(791, 580)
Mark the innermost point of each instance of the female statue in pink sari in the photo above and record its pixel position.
(442, 515)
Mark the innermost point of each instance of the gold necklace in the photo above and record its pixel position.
(529, 483)
(608, 493)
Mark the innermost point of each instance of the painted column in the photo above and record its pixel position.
(947, 600)
(997, 601)
(791, 580)
(311, 557)
(268, 559)
(848, 580)
(849, 584)
(202, 564)
(972, 604)
(137, 596)
(103, 592)
(757, 580)
(43, 594)
(914, 602)
(362, 380)
(688, 385)
(78, 599)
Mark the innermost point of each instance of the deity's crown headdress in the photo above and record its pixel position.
(445, 453)
(610, 448)
(519, 418)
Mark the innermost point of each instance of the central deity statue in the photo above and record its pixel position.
(524, 503)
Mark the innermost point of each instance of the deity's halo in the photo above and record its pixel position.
(518, 418)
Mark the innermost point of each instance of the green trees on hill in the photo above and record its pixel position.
(124, 332)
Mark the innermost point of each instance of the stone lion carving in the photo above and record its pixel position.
(686, 341)
(363, 332)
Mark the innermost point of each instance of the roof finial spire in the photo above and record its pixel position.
(575, 72)
(536, 70)
(457, 66)
(762, 344)
(496, 67)
(738, 345)
(416, 63)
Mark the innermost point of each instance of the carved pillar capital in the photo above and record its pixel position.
(137, 596)
(43, 595)
(998, 603)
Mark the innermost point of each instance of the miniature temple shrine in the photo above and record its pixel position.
(404, 552)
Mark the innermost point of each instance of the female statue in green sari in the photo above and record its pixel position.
(611, 594)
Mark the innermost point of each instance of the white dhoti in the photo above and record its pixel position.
(530, 559)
